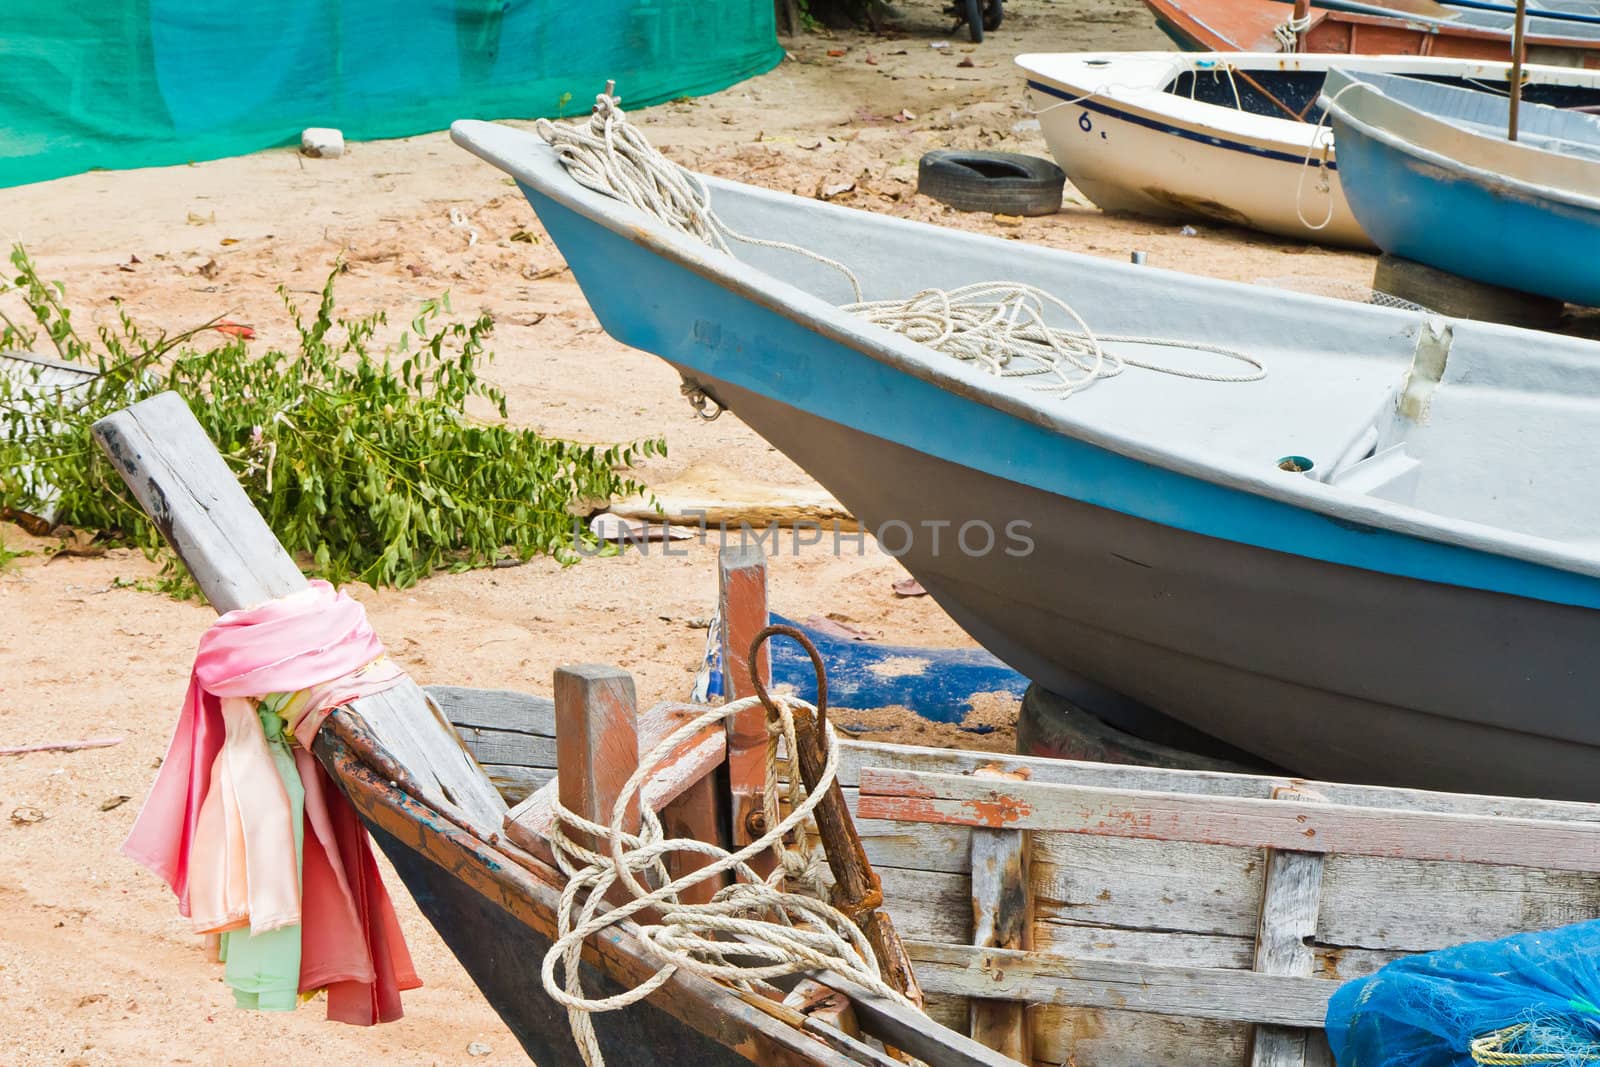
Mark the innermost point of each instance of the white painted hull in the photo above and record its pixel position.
(1129, 145)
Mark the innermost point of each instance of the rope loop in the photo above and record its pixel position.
(1002, 328)
(752, 929)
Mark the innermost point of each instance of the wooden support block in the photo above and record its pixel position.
(1002, 917)
(597, 744)
(742, 603)
(1451, 294)
(1290, 902)
(175, 472)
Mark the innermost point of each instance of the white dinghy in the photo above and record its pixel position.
(1235, 137)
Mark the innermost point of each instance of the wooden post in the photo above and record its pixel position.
(597, 744)
(1518, 28)
(742, 602)
(176, 474)
(1002, 917)
(1301, 13)
(1290, 901)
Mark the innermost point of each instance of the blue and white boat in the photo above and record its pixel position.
(1431, 176)
(1377, 563)
(1233, 136)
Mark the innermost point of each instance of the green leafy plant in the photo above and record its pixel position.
(365, 462)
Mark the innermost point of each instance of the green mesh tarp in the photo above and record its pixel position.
(137, 83)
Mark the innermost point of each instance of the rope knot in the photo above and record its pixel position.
(751, 930)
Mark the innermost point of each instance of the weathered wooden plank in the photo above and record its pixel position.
(918, 846)
(186, 488)
(1128, 882)
(854, 756)
(1102, 1037)
(1289, 907)
(597, 745)
(929, 906)
(516, 784)
(1045, 978)
(1420, 906)
(1065, 938)
(1372, 907)
(946, 1009)
(742, 609)
(1002, 917)
(509, 747)
(495, 709)
(1244, 822)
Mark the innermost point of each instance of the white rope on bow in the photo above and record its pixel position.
(998, 326)
(610, 156)
(752, 929)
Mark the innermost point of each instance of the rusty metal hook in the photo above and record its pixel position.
(799, 637)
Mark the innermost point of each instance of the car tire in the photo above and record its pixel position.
(1004, 183)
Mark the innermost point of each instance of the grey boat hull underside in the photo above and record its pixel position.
(1326, 670)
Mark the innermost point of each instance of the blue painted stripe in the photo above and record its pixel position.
(699, 323)
(1094, 105)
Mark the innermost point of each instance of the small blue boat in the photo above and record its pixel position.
(1377, 563)
(1430, 175)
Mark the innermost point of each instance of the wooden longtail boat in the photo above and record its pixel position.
(1058, 911)
(1408, 28)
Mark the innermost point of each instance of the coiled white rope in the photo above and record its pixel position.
(999, 326)
(610, 156)
(752, 929)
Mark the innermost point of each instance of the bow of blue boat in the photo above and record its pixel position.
(1431, 175)
(1334, 370)
(1328, 567)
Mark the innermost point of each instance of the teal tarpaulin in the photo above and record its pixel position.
(136, 83)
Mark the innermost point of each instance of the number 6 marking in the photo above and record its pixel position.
(1083, 122)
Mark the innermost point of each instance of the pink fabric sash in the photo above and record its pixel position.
(216, 826)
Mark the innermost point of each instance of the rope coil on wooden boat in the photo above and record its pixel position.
(753, 929)
(997, 326)
(1288, 33)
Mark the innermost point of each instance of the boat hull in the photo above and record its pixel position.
(1319, 642)
(1328, 671)
(1463, 221)
(1248, 25)
(1124, 161)
(1126, 155)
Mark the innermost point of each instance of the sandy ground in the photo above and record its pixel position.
(95, 965)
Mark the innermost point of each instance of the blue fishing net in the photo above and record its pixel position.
(1532, 998)
(134, 83)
